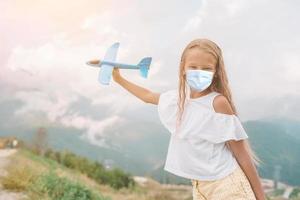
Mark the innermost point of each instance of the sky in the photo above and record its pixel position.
(45, 44)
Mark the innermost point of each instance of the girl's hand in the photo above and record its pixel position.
(95, 62)
(116, 74)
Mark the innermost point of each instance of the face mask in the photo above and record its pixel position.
(199, 79)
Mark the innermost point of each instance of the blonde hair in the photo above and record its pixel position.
(219, 83)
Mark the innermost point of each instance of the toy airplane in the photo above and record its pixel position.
(108, 63)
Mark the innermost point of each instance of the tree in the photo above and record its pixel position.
(40, 141)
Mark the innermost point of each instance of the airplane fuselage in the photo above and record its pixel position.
(116, 64)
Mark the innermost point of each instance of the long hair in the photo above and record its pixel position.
(219, 83)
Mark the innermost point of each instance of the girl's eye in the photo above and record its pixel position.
(208, 68)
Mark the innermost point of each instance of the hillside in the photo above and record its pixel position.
(277, 142)
(40, 177)
(62, 175)
(142, 151)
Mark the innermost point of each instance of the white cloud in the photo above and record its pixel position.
(195, 21)
(260, 46)
(56, 76)
(291, 66)
(259, 41)
(56, 107)
(95, 133)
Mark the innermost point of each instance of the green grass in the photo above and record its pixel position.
(51, 164)
(116, 178)
(66, 176)
(51, 186)
(295, 193)
(18, 178)
(37, 177)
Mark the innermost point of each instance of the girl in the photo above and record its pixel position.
(208, 144)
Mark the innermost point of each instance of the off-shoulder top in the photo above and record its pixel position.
(197, 149)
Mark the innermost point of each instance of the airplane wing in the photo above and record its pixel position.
(105, 72)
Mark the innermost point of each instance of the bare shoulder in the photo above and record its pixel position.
(222, 105)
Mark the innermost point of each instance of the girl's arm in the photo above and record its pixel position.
(142, 93)
(246, 163)
(239, 150)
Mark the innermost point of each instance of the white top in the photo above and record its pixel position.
(199, 152)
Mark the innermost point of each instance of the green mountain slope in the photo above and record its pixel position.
(141, 148)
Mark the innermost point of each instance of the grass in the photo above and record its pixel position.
(18, 178)
(38, 177)
(43, 178)
(60, 188)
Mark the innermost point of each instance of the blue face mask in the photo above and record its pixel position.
(199, 79)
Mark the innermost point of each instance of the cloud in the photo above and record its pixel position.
(195, 21)
(95, 129)
(290, 62)
(51, 76)
(56, 106)
(44, 50)
(259, 43)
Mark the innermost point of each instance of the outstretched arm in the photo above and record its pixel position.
(142, 93)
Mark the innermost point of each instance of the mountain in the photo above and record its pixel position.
(277, 143)
(141, 148)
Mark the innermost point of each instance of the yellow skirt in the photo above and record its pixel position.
(235, 186)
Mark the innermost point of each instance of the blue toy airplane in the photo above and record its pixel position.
(108, 63)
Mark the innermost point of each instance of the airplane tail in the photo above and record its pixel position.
(144, 66)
